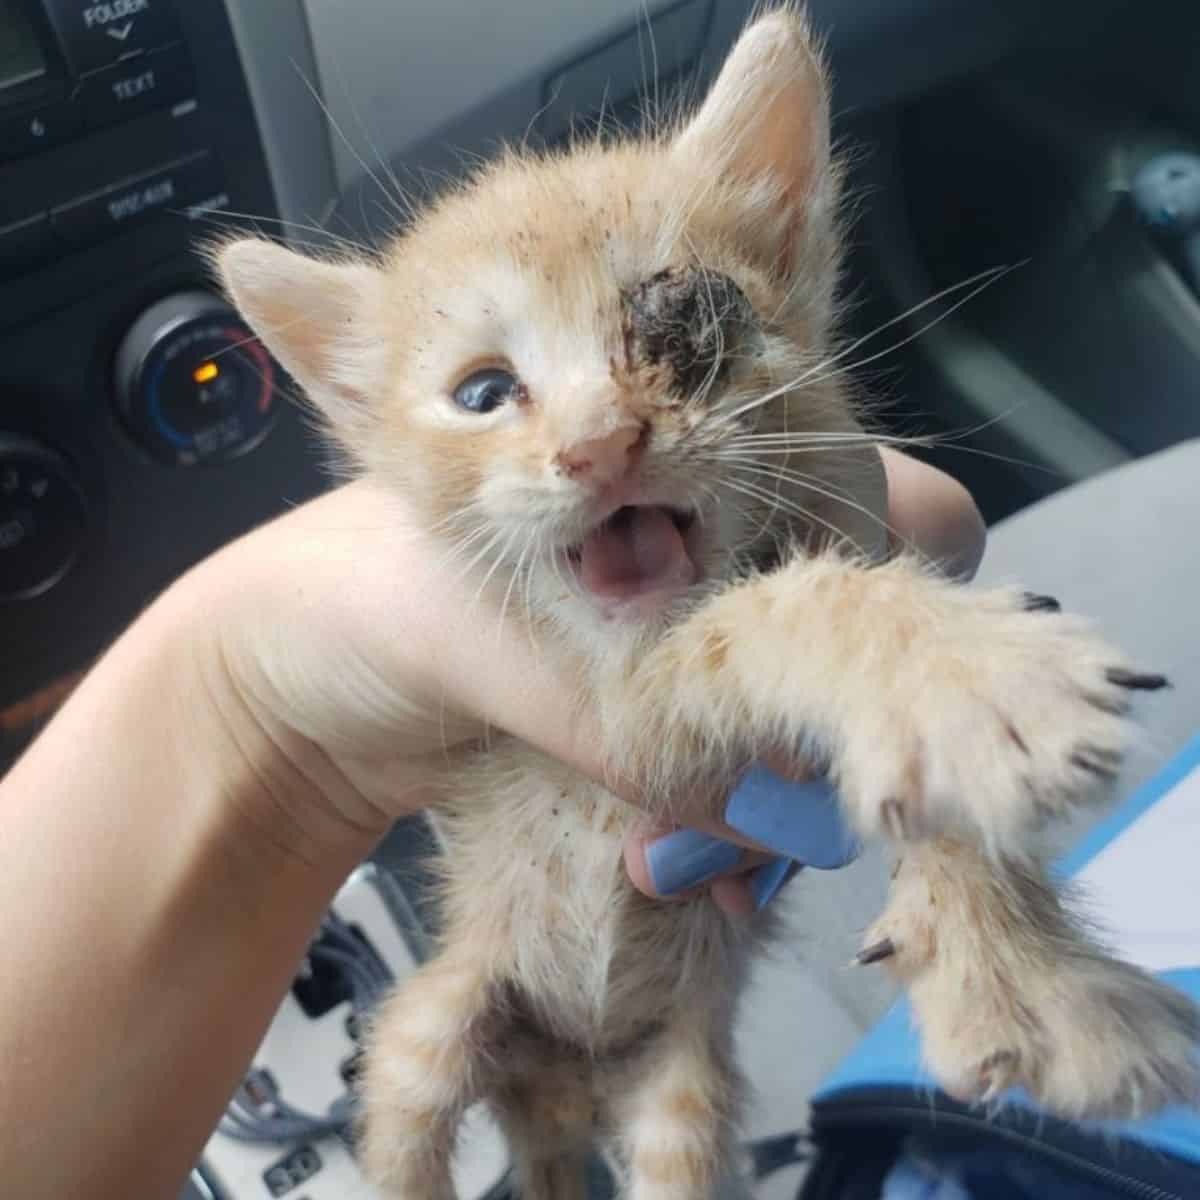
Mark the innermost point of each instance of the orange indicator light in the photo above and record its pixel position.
(206, 372)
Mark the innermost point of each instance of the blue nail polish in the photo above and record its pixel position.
(686, 859)
(801, 821)
(767, 881)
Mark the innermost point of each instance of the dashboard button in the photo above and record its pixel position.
(107, 212)
(193, 383)
(95, 33)
(38, 130)
(134, 87)
(24, 243)
(42, 517)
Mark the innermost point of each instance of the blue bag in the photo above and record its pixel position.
(883, 1131)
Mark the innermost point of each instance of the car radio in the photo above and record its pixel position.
(131, 396)
(67, 71)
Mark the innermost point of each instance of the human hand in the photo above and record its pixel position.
(357, 649)
(212, 781)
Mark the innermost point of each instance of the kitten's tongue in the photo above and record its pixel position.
(635, 551)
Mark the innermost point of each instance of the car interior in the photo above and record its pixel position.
(1022, 294)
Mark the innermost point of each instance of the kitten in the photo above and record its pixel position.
(609, 375)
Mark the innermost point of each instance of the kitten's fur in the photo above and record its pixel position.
(951, 719)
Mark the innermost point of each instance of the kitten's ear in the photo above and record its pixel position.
(766, 122)
(321, 320)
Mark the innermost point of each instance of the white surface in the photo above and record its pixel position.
(806, 1008)
(1142, 886)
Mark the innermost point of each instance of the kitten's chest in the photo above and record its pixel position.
(535, 877)
(540, 850)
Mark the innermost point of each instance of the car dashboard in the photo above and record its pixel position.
(141, 426)
(132, 131)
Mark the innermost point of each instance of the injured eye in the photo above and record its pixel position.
(484, 391)
(692, 320)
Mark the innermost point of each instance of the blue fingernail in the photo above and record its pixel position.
(802, 821)
(767, 881)
(687, 859)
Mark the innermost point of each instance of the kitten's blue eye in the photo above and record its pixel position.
(486, 390)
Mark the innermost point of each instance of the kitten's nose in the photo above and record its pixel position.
(604, 459)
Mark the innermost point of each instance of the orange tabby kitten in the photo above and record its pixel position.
(606, 375)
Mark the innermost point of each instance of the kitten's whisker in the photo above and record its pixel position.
(896, 538)
(467, 568)
(825, 437)
(329, 117)
(499, 560)
(837, 448)
(714, 369)
(747, 461)
(533, 564)
(406, 208)
(487, 549)
(451, 521)
(759, 520)
(850, 368)
(212, 214)
(966, 431)
(849, 452)
(824, 443)
(785, 505)
(312, 244)
(988, 277)
(556, 565)
(508, 591)
(1006, 458)
(710, 495)
(462, 524)
(755, 401)
(822, 488)
(757, 497)
(654, 115)
(925, 443)
(552, 95)
(782, 444)
(459, 548)
(254, 337)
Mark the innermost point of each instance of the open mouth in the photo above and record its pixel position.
(638, 550)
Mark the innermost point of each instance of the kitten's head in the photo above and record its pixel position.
(591, 365)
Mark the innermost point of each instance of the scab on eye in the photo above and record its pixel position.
(486, 390)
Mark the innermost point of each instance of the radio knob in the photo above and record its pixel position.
(193, 383)
(43, 517)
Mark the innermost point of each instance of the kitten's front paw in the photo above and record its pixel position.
(1008, 715)
(1008, 992)
(1086, 1040)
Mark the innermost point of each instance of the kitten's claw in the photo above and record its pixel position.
(1136, 681)
(876, 952)
(1011, 716)
(1084, 1035)
(1036, 603)
(893, 819)
(1100, 761)
(997, 1074)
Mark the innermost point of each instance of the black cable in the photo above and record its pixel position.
(257, 1112)
(771, 1154)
